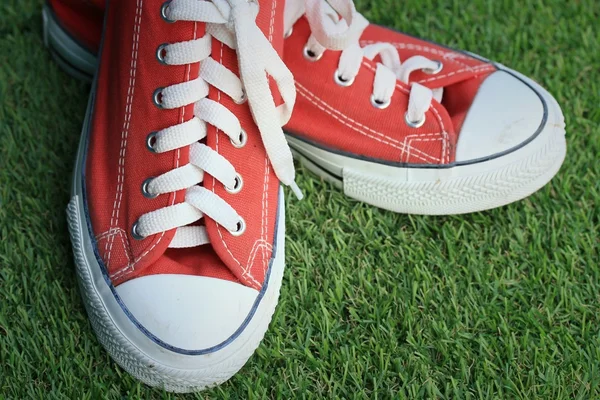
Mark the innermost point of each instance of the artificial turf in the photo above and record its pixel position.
(497, 304)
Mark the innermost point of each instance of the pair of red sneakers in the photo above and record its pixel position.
(177, 217)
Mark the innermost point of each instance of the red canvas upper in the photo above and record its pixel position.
(342, 118)
(118, 161)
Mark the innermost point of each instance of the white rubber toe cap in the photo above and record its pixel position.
(188, 312)
(505, 113)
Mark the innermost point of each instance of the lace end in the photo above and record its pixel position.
(296, 190)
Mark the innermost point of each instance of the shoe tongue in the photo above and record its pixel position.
(247, 256)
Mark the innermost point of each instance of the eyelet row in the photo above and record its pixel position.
(377, 103)
(151, 140)
(240, 228)
(157, 99)
(237, 187)
(385, 104)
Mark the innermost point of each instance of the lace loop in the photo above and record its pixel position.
(326, 28)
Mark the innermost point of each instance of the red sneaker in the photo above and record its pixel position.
(177, 217)
(441, 132)
(412, 126)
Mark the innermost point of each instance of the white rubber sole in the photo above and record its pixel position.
(453, 190)
(129, 346)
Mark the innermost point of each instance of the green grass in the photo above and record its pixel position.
(499, 304)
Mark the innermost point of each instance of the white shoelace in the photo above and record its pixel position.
(232, 22)
(329, 31)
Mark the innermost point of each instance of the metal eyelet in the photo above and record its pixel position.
(240, 228)
(311, 55)
(243, 99)
(289, 33)
(135, 231)
(242, 139)
(164, 10)
(145, 191)
(161, 53)
(157, 98)
(337, 77)
(414, 124)
(435, 70)
(380, 104)
(151, 141)
(237, 186)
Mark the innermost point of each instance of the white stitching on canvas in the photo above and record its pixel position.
(265, 208)
(451, 56)
(446, 147)
(264, 229)
(110, 232)
(415, 137)
(246, 272)
(403, 89)
(479, 69)
(126, 249)
(448, 56)
(259, 244)
(131, 266)
(114, 220)
(417, 47)
(109, 235)
(444, 132)
(407, 91)
(342, 118)
(424, 140)
(272, 22)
